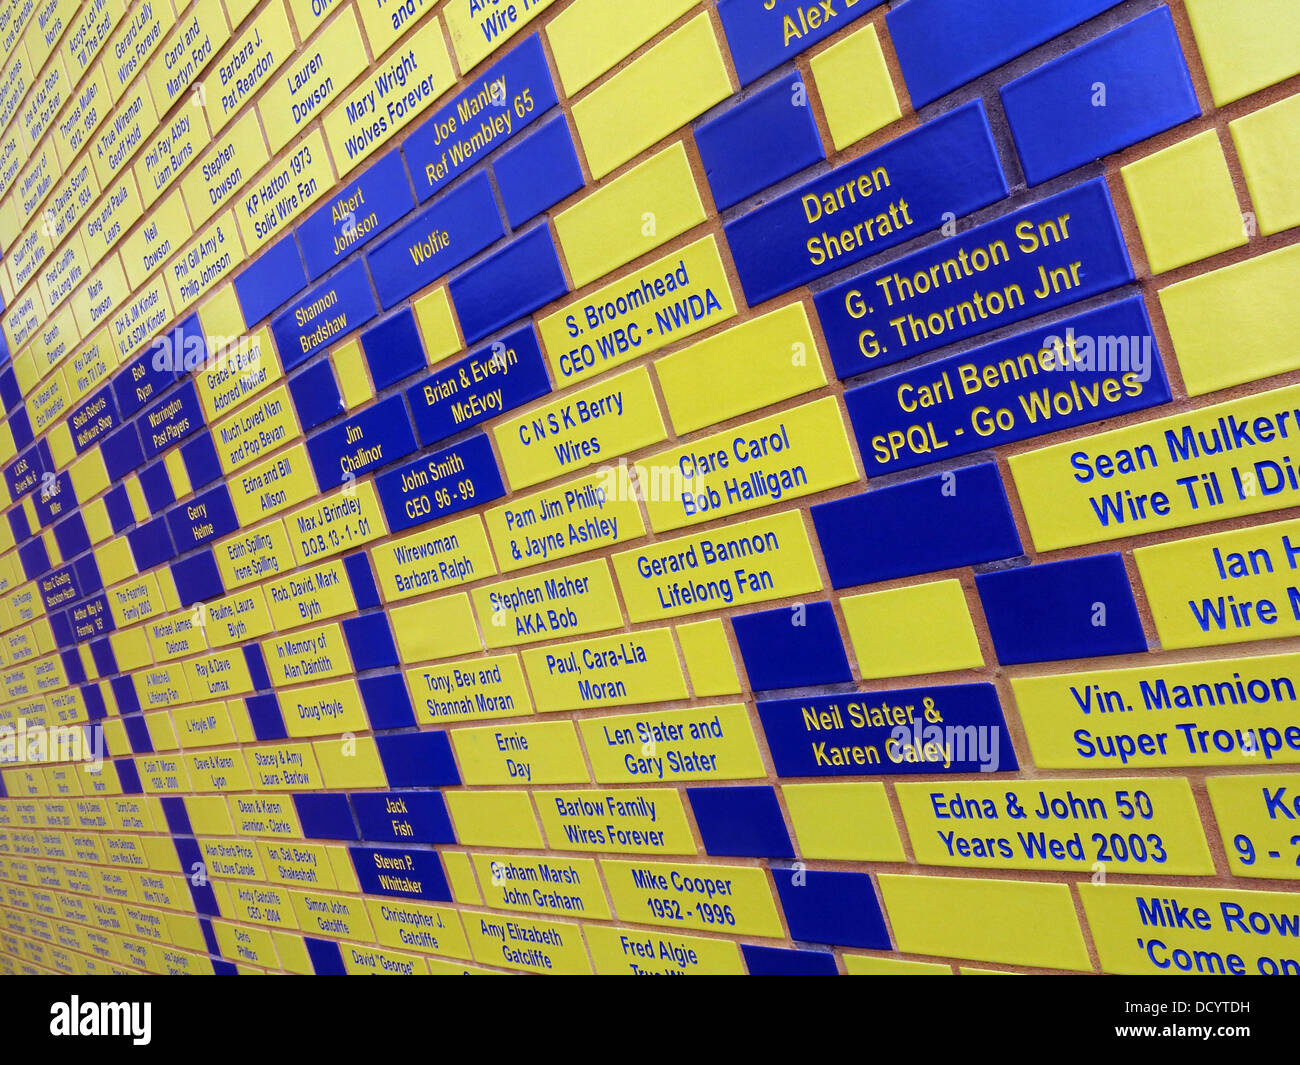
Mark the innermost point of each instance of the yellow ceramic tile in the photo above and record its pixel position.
(799, 452)
(1134, 480)
(542, 753)
(843, 822)
(659, 92)
(548, 605)
(1255, 813)
(609, 671)
(477, 29)
(865, 965)
(629, 216)
(686, 292)
(764, 360)
(710, 898)
(494, 819)
(353, 375)
(1270, 158)
(856, 91)
(708, 656)
(1184, 203)
(697, 743)
(1183, 930)
(461, 691)
(1154, 716)
(437, 628)
(635, 820)
(437, 324)
(624, 952)
(590, 37)
(1245, 47)
(1019, 923)
(249, 64)
(591, 426)
(904, 632)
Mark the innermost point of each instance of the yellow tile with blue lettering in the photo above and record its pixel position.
(568, 601)
(799, 452)
(283, 767)
(257, 428)
(274, 485)
(587, 427)
(672, 298)
(283, 194)
(605, 672)
(626, 821)
(478, 29)
(345, 520)
(208, 259)
(372, 961)
(223, 770)
(569, 887)
(314, 595)
(323, 709)
(526, 944)
(444, 556)
(335, 916)
(695, 743)
(186, 52)
(1127, 825)
(541, 753)
(324, 67)
(569, 519)
(711, 898)
(470, 690)
(1255, 815)
(750, 562)
(249, 64)
(253, 555)
(1168, 930)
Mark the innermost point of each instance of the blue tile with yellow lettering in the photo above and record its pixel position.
(764, 35)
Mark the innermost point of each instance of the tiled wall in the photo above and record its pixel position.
(650, 486)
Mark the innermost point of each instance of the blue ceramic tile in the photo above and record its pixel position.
(946, 167)
(197, 578)
(72, 667)
(991, 276)
(59, 587)
(362, 579)
(273, 278)
(124, 695)
(203, 518)
(357, 213)
(91, 618)
(96, 708)
(387, 703)
(404, 874)
(498, 105)
(835, 908)
(130, 781)
(480, 386)
(947, 408)
(538, 172)
(369, 439)
(792, 647)
(411, 495)
(87, 571)
(150, 544)
(325, 816)
(393, 349)
(178, 820)
(403, 816)
(264, 713)
(956, 518)
(508, 284)
(325, 315)
(118, 505)
(170, 419)
(884, 733)
(418, 760)
(257, 666)
(20, 427)
(55, 496)
(326, 957)
(942, 44)
(451, 230)
(780, 961)
(201, 463)
(759, 141)
(316, 395)
(762, 36)
(210, 938)
(157, 488)
(741, 822)
(92, 419)
(370, 641)
(18, 524)
(1058, 119)
(122, 452)
(71, 536)
(10, 394)
(101, 653)
(34, 558)
(1077, 608)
